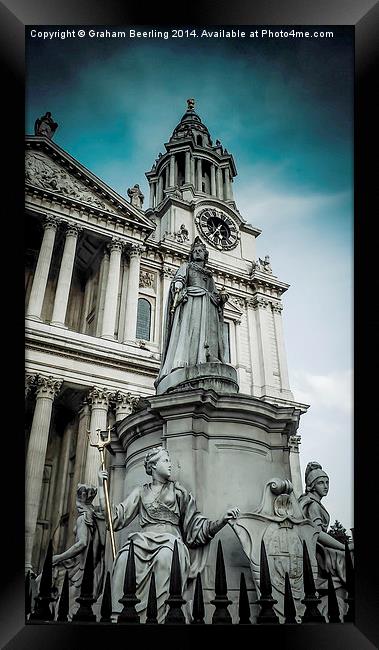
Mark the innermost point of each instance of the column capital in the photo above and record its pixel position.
(72, 229)
(47, 386)
(294, 442)
(125, 401)
(168, 271)
(98, 396)
(258, 302)
(237, 301)
(136, 250)
(277, 307)
(116, 244)
(51, 222)
(30, 382)
(105, 251)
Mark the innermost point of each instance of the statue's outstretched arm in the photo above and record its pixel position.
(216, 526)
(327, 540)
(80, 544)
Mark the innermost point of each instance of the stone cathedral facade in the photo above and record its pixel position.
(98, 270)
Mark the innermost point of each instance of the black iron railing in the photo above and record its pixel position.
(42, 610)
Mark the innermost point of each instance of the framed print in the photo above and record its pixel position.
(197, 270)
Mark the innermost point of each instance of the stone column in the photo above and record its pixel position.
(254, 348)
(65, 275)
(172, 170)
(80, 458)
(46, 390)
(41, 274)
(125, 405)
(98, 398)
(228, 185)
(277, 309)
(110, 306)
(124, 286)
(219, 192)
(102, 291)
(262, 311)
(213, 180)
(160, 189)
(152, 193)
(294, 458)
(239, 355)
(193, 163)
(135, 253)
(187, 169)
(60, 490)
(167, 276)
(199, 174)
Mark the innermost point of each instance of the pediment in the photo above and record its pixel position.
(235, 305)
(61, 176)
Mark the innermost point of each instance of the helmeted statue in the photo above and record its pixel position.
(330, 552)
(193, 329)
(167, 513)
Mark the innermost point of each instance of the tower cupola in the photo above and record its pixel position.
(192, 167)
(191, 126)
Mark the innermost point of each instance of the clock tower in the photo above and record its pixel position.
(193, 181)
(191, 194)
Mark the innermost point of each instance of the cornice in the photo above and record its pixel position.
(92, 220)
(148, 367)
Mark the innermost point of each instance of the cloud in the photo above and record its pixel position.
(266, 198)
(334, 391)
(327, 435)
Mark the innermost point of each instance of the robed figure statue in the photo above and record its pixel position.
(330, 553)
(167, 513)
(193, 330)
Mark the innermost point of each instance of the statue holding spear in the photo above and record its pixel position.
(101, 443)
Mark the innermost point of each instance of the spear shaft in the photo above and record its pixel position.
(100, 444)
(108, 505)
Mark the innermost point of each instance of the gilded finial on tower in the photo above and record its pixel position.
(191, 104)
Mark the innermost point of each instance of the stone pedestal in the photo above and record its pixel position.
(224, 447)
(220, 377)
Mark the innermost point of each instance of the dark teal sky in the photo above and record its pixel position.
(275, 101)
(284, 109)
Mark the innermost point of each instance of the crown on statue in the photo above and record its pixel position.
(197, 242)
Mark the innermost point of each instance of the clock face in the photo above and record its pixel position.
(217, 228)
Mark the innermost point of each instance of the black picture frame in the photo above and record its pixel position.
(14, 15)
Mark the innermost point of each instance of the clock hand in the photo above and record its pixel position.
(214, 233)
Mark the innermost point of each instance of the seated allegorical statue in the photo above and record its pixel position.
(330, 552)
(167, 513)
